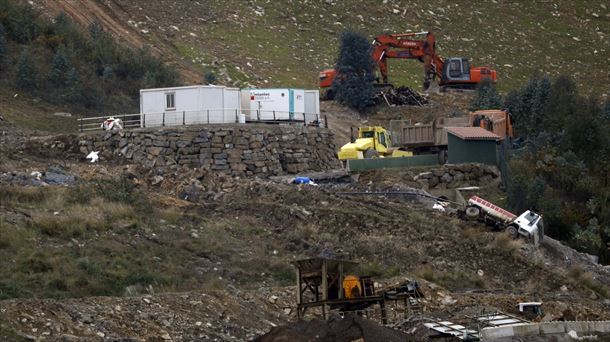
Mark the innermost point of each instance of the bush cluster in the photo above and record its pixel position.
(82, 69)
(563, 170)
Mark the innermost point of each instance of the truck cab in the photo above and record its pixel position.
(531, 226)
(528, 225)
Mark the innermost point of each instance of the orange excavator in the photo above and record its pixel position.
(454, 72)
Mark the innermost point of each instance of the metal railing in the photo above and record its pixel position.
(204, 117)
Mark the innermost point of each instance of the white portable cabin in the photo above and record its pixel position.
(273, 104)
(197, 104)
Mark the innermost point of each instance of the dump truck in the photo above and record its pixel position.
(372, 142)
(528, 225)
(432, 137)
(428, 138)
(496, 121)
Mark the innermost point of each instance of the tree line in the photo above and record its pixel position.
(564, 167)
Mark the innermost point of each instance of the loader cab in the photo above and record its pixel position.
(380, 137)
(456, 69)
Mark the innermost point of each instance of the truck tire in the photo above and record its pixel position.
(371, 154)
(512, 231)
(473, 212)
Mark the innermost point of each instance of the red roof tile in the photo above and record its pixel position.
(472, 133)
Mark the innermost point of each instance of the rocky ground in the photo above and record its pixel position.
(80, 263)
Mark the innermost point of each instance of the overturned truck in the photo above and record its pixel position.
(528, 225)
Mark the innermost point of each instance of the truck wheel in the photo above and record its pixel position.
(371, 154)
(472, 213)
(512, 231)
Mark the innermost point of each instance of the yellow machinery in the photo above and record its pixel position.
(372, 142)
(352, 287)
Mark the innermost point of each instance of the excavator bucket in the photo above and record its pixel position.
(433, 88)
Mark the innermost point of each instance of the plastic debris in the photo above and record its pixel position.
(36, 174)
(303, 180)
(94, 156)
(112, 124)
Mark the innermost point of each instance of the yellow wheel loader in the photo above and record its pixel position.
(372, 142)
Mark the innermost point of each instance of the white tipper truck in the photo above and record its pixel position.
(528, 225)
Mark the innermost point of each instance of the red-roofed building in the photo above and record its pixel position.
(471, 145)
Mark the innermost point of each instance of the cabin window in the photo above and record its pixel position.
(368, 134)
(170, 101)
(382, 140)
(455, 68)
(465, 67)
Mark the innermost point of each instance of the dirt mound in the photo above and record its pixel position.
(336, 329)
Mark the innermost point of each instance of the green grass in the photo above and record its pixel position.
(517, 46)
(84, 241)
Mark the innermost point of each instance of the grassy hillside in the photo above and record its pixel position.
(286, 43)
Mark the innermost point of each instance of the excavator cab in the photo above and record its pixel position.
(456, 69)
(458, 74)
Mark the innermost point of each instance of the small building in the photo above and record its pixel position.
(471, 145)
(197, 104)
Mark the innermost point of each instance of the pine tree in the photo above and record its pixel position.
(59, 68)
(487, 97)
(26, 72)
(73, 91)
(537, 113)
(353, 84)
(563, 101)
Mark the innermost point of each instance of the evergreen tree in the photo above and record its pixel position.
(487, 97)
(149, 80)
(73, 90)
(353, 84)
(59, 68)
(26, 72)
(96, 31)
(563, 100)
(537, 110)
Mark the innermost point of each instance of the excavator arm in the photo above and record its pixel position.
(453, 72)
(405, 47)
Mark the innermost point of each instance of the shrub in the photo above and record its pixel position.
(581, 278)
(506, 245)
(210, 77)
(486, 97)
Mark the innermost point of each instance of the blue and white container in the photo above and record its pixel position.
(273, 104)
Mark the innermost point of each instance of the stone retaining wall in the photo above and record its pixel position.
(450, 176)
(238, 150)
